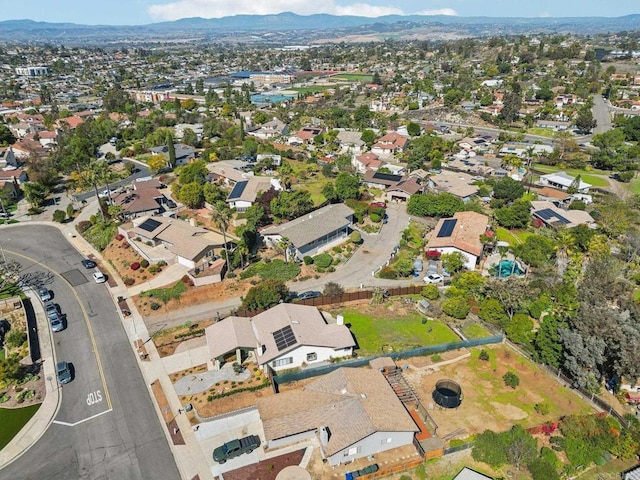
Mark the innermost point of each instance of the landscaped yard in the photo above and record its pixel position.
(513, 237)
(378, 331)
(475, 330)
(541, 132)
(122, 257)
(597, 178)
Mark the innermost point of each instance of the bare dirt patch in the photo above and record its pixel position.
(166, 342)
(487, 403)
(266, 469)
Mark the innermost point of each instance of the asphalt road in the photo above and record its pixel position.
(106, 427)
(601, 114)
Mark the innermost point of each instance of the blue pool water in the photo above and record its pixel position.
(277, 98)
(508, 267)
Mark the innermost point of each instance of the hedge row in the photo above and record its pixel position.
(239, 390)
(192, 333)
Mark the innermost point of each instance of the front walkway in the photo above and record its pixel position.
(199, 382)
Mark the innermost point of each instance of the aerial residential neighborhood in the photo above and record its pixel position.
(290, 249)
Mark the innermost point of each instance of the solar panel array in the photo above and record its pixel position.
(238, 189)
(447, 228)
(387, 176)
(547, 214)
(150, 225)
(284, 338)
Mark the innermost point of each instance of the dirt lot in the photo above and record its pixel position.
(166, 341)
(487, 403)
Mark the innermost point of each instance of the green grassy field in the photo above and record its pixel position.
(541, 132)
(353, 77)
(399, 332)
(12, 420)
(597, 178)
(310, 90)
(475, 331)
(513, 237)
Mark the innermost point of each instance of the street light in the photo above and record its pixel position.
(50, 378)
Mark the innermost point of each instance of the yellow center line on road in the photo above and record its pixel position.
(86, 320)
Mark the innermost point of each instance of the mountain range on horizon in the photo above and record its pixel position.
(331, 25)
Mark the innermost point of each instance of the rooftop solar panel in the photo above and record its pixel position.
(284, 338)
(238, 189)
(387, 176)
(149, 225)
(548, 214)
(447, 228)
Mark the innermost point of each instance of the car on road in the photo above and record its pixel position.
(309, 294)
(63, 372)
(99, 277)
(104, 194)
(5, 214)
(86, 263)
(379, 204)
(51, 309)
(433, 278)
(235, 448)
(385, 219)
(44, 294)
(57, 322)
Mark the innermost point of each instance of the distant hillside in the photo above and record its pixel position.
(314, 26)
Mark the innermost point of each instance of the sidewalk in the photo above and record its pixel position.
(38, 424)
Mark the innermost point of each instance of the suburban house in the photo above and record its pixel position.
(366, 161)
(304, 135)
(269, 159)
(283, 337)
(226, 172)
(523, 152)
(353, 412)
(632, 473)
(460, 234)
(550, 215)
(562, 181)
(184, 153)
(246, 192)
(456, 183)
(143, 199)
(404, 189)
(8, 158)
(17, 176)
(351, 141)
(274, 128)
(196, 128)
(390, 144)
(375, 179)
(314, 232)
(172, 240)
(468, 474)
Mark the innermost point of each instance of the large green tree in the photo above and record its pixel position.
(265, 295)
(434, 205)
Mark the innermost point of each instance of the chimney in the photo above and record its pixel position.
(340, 319)
(325, 434)
(192, 222)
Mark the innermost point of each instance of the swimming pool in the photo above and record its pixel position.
(506, 268)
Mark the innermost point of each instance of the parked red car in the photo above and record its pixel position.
(379, 204)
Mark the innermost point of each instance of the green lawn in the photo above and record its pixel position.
(541, 132)
(634, 185)
(310, 90)
(12, 420)
(166, 294)
(513, 237)
(276, 269)
(475, 331)
(399, 332)
(597, 178)
(353, 77)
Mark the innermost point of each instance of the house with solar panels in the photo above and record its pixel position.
(283, 337)
(460, 234)
(246, 192)
(548, 214)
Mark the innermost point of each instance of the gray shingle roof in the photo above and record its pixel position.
(312, 226)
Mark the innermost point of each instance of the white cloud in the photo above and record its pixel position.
(440, 11)
(224, 8)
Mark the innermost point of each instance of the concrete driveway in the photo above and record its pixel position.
(211, 435)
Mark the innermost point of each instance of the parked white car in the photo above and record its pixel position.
(99, 277)
(433, 278)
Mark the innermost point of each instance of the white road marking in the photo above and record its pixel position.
(67, 424)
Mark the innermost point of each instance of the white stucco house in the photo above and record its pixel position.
(563, 181)
(283, 337)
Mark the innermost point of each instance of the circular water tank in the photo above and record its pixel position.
(447, 394)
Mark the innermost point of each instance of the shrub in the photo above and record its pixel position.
(542, 408)
(375, 218)
(119, 237)
(307, 260)
(323, 260)
(59, 216)
(15, 338)
(126, 245)
(430, 292)
(511, 380)
(388, 273)
(134, 266)
(484, 355)
(83, 226)
(144, 263)
(153, 269)
(128, 281)
(456, 307)
(355, 237)
(162, 263)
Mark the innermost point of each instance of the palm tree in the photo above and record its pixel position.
(565, 245)
(284, 245)
(243, 250)
(221, 216)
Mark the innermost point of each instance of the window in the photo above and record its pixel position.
(386, 440)
(352, 451)
(282, 361)
(312, 357)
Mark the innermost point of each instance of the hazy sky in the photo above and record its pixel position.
(133, 12)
